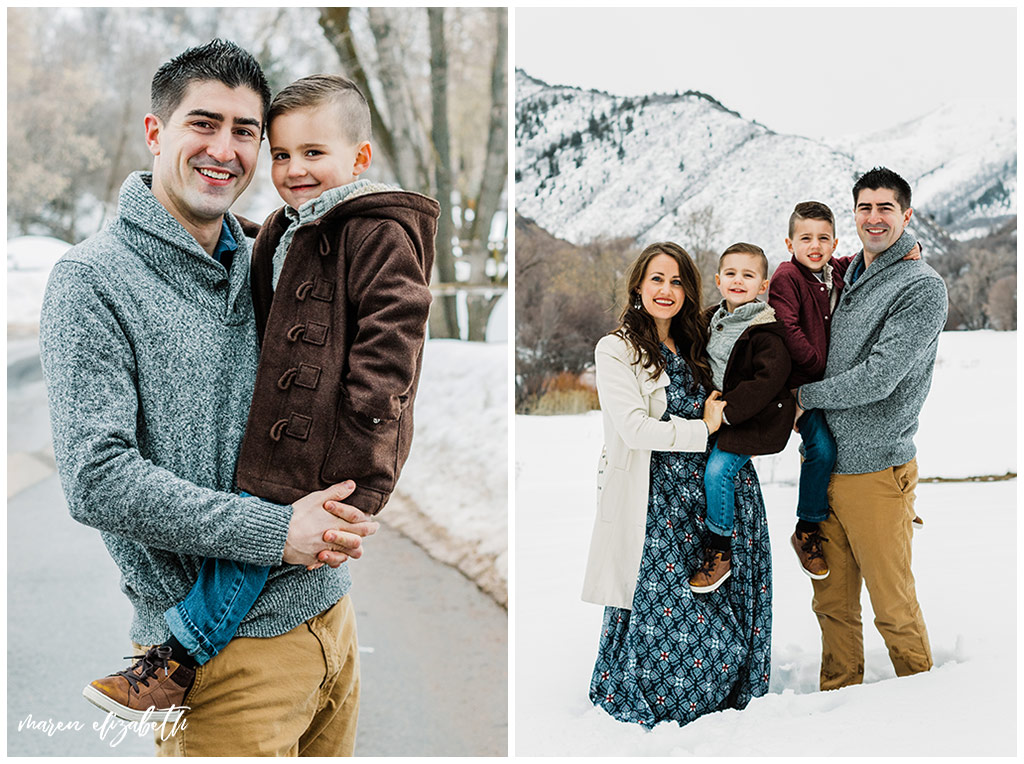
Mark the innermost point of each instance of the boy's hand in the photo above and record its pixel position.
(316, 528)
(713, 408)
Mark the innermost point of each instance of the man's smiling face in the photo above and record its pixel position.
(205, 151)
(880, 221)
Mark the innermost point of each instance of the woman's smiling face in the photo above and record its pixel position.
(661, 291)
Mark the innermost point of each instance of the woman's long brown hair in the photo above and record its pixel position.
(687, 329)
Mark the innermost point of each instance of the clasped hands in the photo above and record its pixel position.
(324, 531)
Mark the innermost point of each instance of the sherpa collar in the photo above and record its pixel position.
(752, 314)
(317, 208)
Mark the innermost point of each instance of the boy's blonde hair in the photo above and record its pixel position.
(811, 211)
(741, 247)
(318, 89)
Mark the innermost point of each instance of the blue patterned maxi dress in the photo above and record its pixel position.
(678, 655)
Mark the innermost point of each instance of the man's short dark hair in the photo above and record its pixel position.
(218, 60)
(317, 89)
(811, 211)
(883, 177)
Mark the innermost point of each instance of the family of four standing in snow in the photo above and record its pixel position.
(680, 555)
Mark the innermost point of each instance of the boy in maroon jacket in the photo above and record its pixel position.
(804, 293)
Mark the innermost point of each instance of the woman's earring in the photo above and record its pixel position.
(637, 303)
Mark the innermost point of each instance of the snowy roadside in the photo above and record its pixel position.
(455, 485)
(965, 706)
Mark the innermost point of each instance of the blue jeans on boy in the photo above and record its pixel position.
(819, 450)
(206, 620)
(720, 489)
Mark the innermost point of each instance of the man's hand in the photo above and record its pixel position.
(323, 530)
(799, 411)
(352, 515)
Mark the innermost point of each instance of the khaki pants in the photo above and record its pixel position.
(296, 694)
(869, 539)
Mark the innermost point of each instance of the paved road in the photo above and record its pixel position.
(434, 648)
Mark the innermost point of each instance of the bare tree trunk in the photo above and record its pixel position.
(493, 181)
(116, 176)
(496, 165)
(443, 319)
(411, 166)
(335, 23)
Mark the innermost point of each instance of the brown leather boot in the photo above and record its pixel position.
(808, 549)
(148, 690)
(712, 572)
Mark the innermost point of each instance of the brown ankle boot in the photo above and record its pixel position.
(712, 572)
(148, 690)
(808, 550)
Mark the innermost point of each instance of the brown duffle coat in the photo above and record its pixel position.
(760, 407)
(342, 347)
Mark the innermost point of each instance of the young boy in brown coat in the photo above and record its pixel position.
(750, 365)
(340, 291)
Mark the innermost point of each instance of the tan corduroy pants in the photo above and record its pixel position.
(296, 694)
(869, 536)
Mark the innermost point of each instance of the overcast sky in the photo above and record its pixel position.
(808, 71)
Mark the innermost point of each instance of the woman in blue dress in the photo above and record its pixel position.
(666, 653)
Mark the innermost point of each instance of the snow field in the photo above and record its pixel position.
(967, 588)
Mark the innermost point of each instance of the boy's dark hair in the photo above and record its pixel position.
(218, 60)
(741, 247)
(323, 88)
(883, 177)
(811, 211)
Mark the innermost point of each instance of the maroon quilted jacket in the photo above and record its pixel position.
(801, 305)
(342, 347)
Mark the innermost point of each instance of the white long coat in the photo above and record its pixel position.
(632, 403)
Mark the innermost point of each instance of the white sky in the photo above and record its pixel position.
(817, 72)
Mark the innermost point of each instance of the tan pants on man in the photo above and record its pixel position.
(869, 536)
(296, 694)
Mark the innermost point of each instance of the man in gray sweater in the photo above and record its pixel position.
(149, 349)
(881, 355)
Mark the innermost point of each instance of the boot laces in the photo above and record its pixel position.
(155, 658)
(710, 560)
(812, 545)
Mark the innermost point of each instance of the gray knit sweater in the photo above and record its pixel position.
(885, 334)
(149, 350)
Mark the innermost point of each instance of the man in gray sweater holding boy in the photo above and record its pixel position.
(881, 355)
(149, 349)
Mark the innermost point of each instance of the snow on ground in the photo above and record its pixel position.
(965, 706)
(29, 262)
(457, 472)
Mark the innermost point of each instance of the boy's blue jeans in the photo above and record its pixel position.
(816, 470)
(206, 620)
(720, 489)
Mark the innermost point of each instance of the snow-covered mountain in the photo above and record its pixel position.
(961, 160)
(590, 164)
